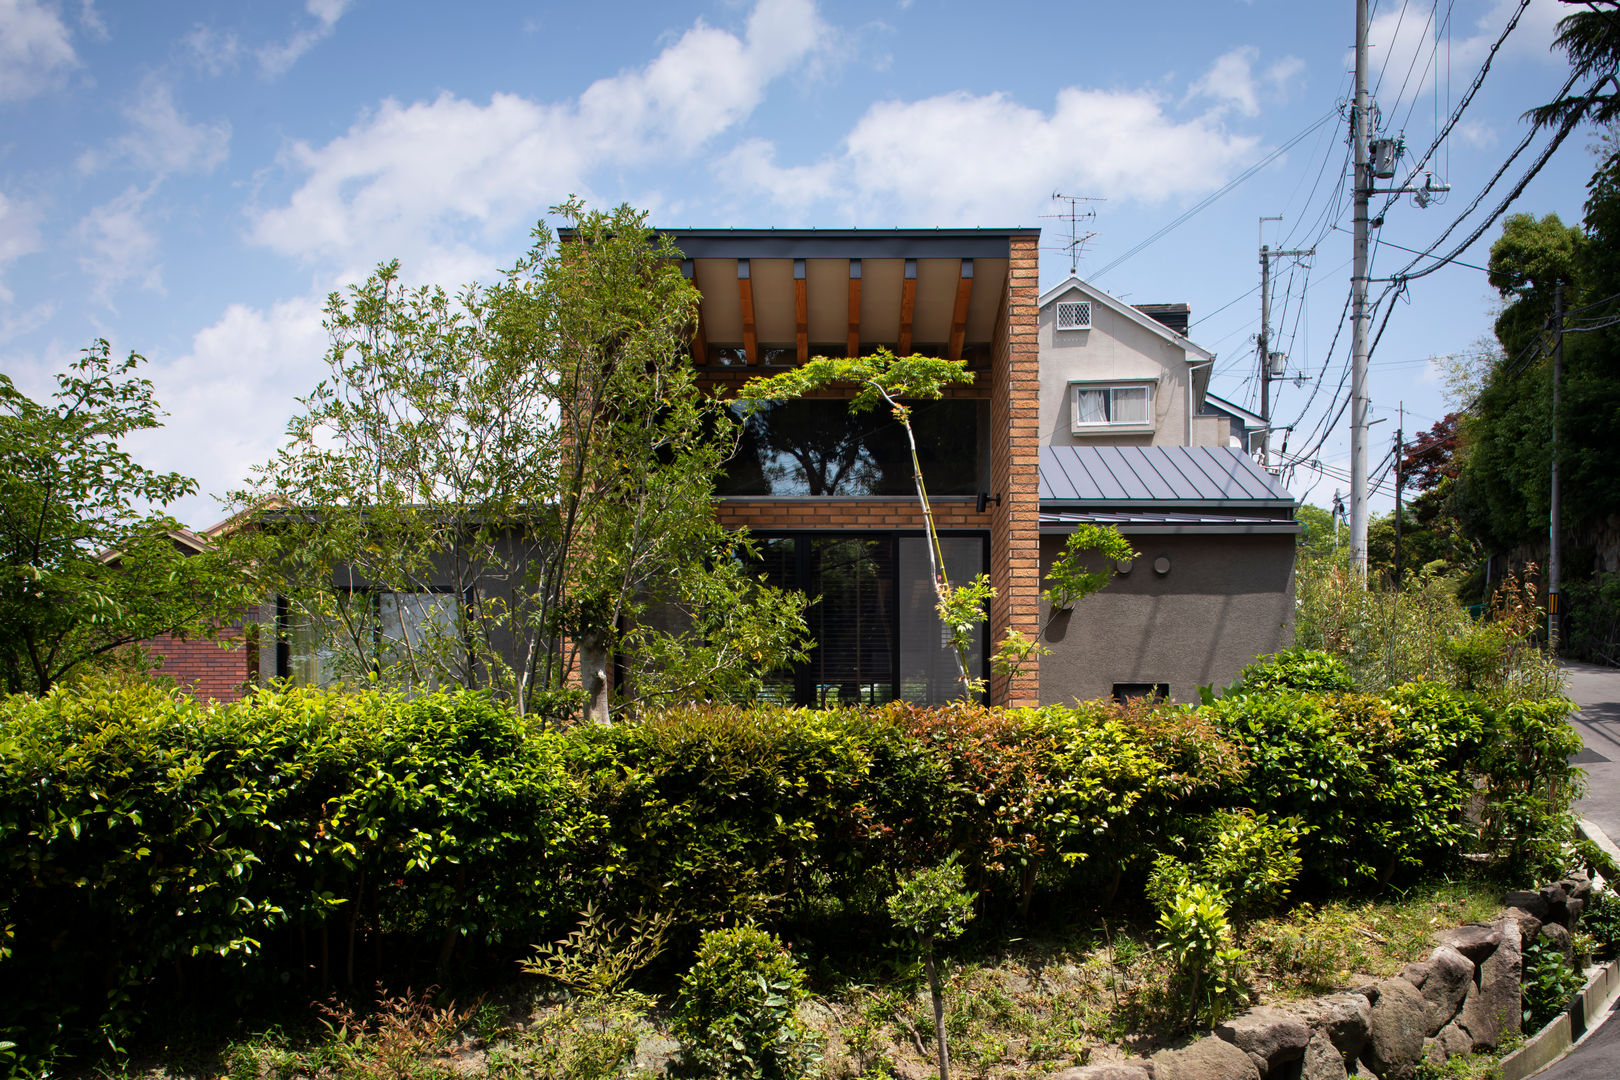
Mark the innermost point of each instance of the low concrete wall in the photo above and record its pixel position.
(1223, 601)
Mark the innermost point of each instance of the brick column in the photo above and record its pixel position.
(1015, 543)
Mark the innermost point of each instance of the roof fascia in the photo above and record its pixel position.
(1146, 322)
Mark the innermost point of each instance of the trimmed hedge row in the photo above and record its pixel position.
(151, 846)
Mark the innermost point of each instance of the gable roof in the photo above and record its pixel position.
(1238, 412)
(1146, 322)
(1159, 478)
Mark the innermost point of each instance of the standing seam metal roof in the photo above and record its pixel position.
(1156, 474)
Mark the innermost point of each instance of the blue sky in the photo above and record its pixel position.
(190, 180)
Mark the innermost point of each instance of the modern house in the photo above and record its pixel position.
(1081, 408)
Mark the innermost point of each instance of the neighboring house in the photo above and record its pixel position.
(220, 668)
(1244, 429)
(1081, 408)
(1133, 439)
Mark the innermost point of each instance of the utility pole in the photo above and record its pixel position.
(1555, 524)
(1400, 483)
(1269, 361)
(1375, 160)
(1360, 133)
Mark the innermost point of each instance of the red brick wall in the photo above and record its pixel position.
(1015, 543)
(878, 514)
(205, 669)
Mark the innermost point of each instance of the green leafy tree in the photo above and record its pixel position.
(532, 465)
(933, 906)
(89, 564)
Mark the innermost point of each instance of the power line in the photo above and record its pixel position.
(1209, 199)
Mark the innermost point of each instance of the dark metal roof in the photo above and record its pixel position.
(1157, 477)
(1146, 522)
(845, 243)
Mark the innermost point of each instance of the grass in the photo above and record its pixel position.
(1024, 1007)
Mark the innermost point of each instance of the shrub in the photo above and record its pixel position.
(1601, 919)
(1549, 982)
(1198, 939)
(1379, 782)
(1248, 856)
(1309, 670)
(735, 1015)
(1529, 784)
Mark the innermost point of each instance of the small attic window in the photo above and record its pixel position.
(1074, 315)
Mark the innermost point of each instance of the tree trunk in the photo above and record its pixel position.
(938, 992)
(593, 673)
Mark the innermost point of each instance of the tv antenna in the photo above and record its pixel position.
(1073, 217)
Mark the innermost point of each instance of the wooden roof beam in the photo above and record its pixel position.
(801, 311)
(700, 341)
(964, 291)
(745, 296)
(908, 307)
(854, 345)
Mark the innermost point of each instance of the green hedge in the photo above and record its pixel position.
(153, 849)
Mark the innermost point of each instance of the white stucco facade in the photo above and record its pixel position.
(1122, 353)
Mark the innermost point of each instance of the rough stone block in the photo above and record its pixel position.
(1343, 1018)
(1206, 1059)
(1113, 1070)
(1395, 1038)
(1322, 1060)
(1561, 939)
(1493, 1006)
(1530, 900)
(1529, 924)
(1454, 1041)
(1271, 1037)
(1474, 940)
(1446, 978)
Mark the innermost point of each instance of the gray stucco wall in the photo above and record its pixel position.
(1225, 600)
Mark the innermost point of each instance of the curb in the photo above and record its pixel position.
(1584, 1012)
(1586, 1009)
(1594, 833)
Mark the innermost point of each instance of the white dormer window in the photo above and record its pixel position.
(1096, 408)
(1074, 315)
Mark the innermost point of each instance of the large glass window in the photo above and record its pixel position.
(410, 634)
(819, 448)
(877, 636)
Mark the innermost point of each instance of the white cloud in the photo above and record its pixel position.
(903, 160)
(27, 321)
(276, 59)
(1231, 81)
(213, 51)
(1408, 51)
(34, 49)
(229, 398)
(91, 20)
(19, 236)
(160, 140)
(119, 245)
(429, 172)
(752, 166)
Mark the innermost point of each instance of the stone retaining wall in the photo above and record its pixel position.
(1464, 998)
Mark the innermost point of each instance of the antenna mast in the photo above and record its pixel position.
(1073, 217)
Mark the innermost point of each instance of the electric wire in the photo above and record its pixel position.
(1204, 203)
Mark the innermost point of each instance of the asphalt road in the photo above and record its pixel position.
(1597, 691)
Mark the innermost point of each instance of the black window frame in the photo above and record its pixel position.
(804, 682)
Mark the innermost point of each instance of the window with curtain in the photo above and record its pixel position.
(1092, 406)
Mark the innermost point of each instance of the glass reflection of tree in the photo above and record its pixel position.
(810, 451)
